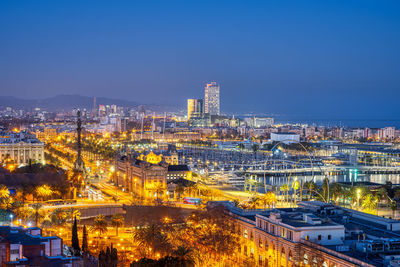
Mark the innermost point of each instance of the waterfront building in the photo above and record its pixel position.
(21, 148)
(142, 178)
(178, 172)
(315, 234)
(194, 108)
(262, 122)
(212, 99)
(286, 138)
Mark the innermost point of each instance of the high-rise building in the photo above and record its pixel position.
(211, 100)
(194, 108)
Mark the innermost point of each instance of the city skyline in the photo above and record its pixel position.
(311, 58)
(199, 133)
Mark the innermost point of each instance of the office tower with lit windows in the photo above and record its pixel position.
(211, 100)
(194, 108)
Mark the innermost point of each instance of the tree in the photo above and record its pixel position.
(184, 256)
(85, 247)
(369, 202)
(73, 213)
(75, 239)
(117, 221)
(254, 202)
(99, 225)
(295, 187)
(284, 188)
(269, 199)
(44, 191)
(58, 217)
(393, 207)
(214, 230)
(5, 199)
(151, 239)
(4, 192)
(37, 214)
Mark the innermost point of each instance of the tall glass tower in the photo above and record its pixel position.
(211, 99)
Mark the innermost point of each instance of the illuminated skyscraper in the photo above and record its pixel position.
(211, 100)
(194, 108)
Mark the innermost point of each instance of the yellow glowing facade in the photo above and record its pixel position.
(151, 158)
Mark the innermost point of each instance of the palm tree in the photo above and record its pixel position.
(117, 221)
(73, 213)
(58, 217)
(184, 256)
(44, 191)
(4, 196)
(268, 199)
(4, 192)
(151, 239)
(295, 187)
(369, 202)
(284, 188)
(254, 202)
(37, 214)
(99, 225)
(393, 207)
(23, 213)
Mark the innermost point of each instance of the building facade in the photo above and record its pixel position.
(315, 234)
(212, 99)
(142, 178)
(195, 108)
(21, 148)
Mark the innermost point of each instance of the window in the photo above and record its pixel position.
(305, 258)
(245, 233)
(329, 237)
(319, 237)
(260, 243)
(260, 260)
(245, 250)
(272, 229)
(290, 235)
(283, 232)
(251, 235)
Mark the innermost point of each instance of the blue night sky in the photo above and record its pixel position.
(327, 59)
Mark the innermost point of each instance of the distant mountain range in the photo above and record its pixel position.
(68, 102)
